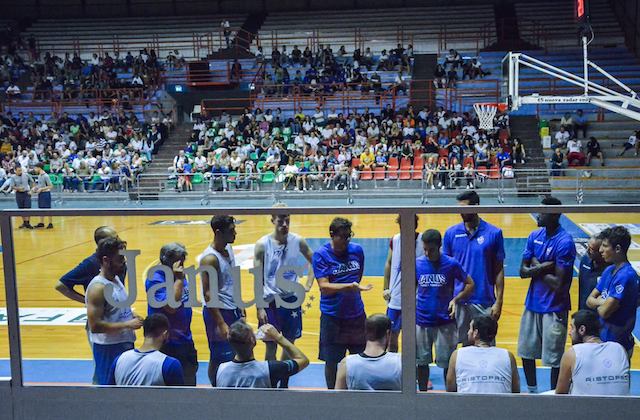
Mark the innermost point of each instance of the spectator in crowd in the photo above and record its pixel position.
(594, 150)
(580, 124)
(557, 163)
(519, 153)
(567, 122)
(575, 157)
(631, 143)
(561, 137)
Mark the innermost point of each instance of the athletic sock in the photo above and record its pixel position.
(532, 389)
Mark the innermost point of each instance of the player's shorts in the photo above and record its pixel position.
(287, 321)
(395, 315)
(104, 355)
(445, 339)
(187, 355)
(44, 200)
(219, 348)
(464, 315)
(23, 200)
(338, 335)
(543, 336)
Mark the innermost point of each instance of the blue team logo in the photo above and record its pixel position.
(548, 251)
(432, 280)
(619, 289)
(347, 268)
(480, 240)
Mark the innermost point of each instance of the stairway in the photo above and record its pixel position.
(530, 180)
(241, 44)
(422, 81)
(153, 178)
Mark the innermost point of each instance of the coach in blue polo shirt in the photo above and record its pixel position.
(88, 268)
(180, 342)
(615, 298)
(548, 261)
(339, 265)
(479, 248)
(436, 302)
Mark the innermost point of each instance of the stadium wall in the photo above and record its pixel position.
(49, 9)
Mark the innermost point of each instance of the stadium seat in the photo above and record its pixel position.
(355, 162)
(392, 169)
(405, 169)
(366, 174)
(197, 178)
(379, 173)
(268, 177)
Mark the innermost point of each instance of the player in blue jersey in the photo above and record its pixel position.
(615, 297)
(436, 302)
(548, 261)
(219, 256)
(479, 248)
(179, 344)
(147, 365)
(339, 265)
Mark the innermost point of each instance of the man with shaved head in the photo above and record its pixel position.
(84, 272)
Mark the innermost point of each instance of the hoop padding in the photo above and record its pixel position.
(486, 113)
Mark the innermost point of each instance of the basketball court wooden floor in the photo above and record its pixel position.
(53, 338)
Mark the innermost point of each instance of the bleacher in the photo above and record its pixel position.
(382, 28)
(620, 174)
(187, 34)
(560, 25)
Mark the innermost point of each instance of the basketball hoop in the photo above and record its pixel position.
(486, 112)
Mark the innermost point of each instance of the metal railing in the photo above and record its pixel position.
(576, 184)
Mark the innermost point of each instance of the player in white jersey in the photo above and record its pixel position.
(246, 372)
(219, 255)
(146, 365)
(392, 284)
(591, 367)
(482, 368)
(273, 251)
(374, 368)
(110, 327)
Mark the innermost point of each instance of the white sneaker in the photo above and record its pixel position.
(433, 187)
(439, 184)
(468, 186)
(442, 188)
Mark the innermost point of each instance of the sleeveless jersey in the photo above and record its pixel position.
(112, 314)
(251, 374)
(225, 279)
(600, 369)
(277, 255)
(395, 277)
(374, 373)
(483, 370)
(136, 368)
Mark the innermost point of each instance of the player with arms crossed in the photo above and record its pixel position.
(272, 252)
(339, 265)
(548, 261)
(219, 255)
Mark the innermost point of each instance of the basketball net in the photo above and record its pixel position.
(486, 112)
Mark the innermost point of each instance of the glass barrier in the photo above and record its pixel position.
(490, 283)
(65, 342)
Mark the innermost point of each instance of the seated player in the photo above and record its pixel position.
(246, 372)
(374, 368)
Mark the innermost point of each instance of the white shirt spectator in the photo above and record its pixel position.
(373, 131)
(307, 126)
(469, 129)
(200, 163)
(326, 133)
(562, 137)
(313, 141)
(407, 132)
(13, 90)
(291, 169)
(574, 146)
